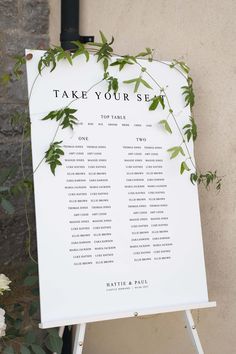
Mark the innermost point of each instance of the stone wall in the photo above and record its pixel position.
(203, 34)
(23, 24)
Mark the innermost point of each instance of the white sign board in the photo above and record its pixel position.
(118, 227)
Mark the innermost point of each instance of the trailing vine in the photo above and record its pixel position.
(65, 117)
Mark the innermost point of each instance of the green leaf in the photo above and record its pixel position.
(31, 280)
(53, 154)
(54, 343)
(68, 57)
(105, 50)
(65, 116)
(30, 337)
(184, 167)
(31, 268)
(148, 52)
(137, 82)
(8, 350)
(145, 83)
(122, 62)
(191, 130)
(166, 126)
(37, 349)
(48, 60)
(154, 104)
(24, 350)
(7, 205)
(181, 64)
(188, 94)
(156, 100)
(17, 68)
(103, 38)
(115, 85)
(175, 151)
(33, 309)
(105, 64)
(6, 78)
(209, 178)
(130, 81)
(81, 50)
(53, 332)
(112, 83)
(193, 178)
(18, 323)
(13, 332)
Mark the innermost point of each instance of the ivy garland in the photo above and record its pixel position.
(65, 117)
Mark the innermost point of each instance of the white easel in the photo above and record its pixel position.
(80, 334)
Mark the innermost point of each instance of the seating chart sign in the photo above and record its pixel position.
(118, 227)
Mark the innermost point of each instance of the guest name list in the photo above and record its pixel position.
(89, 186)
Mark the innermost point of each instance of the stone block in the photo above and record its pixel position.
(8, 14)
(23, 24)
(16, 42)
(14, 235)
(35, 16)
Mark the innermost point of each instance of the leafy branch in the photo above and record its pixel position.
(125, 60)
(175, 151)
(190, 130)
(65, 116)
(188, 93)
(156, 101)
(53, 155)
(112, 83)
(206, 179)
(81, 50)
(53, 55)
(181, 64)
(17, 70)
(148, 54)
(138, 81)
(104, 51)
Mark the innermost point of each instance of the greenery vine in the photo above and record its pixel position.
(66, 119)
(104, 53)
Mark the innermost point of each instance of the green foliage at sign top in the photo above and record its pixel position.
(65, 117)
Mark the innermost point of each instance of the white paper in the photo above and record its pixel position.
(118, 227)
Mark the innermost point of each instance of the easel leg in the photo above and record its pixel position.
(79, 338)
(60, 333)
(193, 332)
